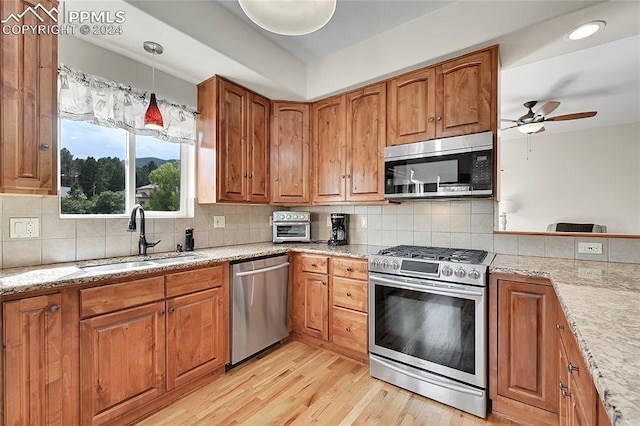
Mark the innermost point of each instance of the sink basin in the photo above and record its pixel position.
(137, 264)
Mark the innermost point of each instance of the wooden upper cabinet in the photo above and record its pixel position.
(366, 139)
(233, 143)
(412, 107)
(32, 363)
(291, 153)
(28, 88)
(467, 93)
(257, 173)
(329, 149)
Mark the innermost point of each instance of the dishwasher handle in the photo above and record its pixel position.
(260, 271)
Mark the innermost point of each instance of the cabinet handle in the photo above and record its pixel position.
(349, 269)
(246, 175)
(572, 368)
(348, 329)
(54, 308)
(431, 119)
(348, 294)
(559, 327)
(348, 176)
(324, 282)
(277, 179)
(99, 387)
(313, 264)
(45, 147)
(172, 310)
(342, 176)
(563, 389)
(250, 175)
(161, 313)
(439, 118)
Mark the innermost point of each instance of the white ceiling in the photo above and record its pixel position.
(206, 37)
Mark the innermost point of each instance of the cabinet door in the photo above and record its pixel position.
(122, 362)
(232, 156)
(196, 338)
(32, 341)
(258, 149)
(412, 107)
(28, 130)
(465, 92)
(329, 150)
(311, 305)
(366, 139)
(291, 153)
(527, 344)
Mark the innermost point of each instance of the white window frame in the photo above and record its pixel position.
(187, 184)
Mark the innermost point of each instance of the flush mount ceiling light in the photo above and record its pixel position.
(289, 17)
(153, 116)
(530, 128)
(585, 30)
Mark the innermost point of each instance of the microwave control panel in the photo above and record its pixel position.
(482, 170)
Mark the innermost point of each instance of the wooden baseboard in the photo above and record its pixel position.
(314, 341)
(523, 413)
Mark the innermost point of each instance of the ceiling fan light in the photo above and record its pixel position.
(530, 128)
(289, 17)
(585, 30)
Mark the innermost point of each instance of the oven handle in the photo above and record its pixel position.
(449, 386)
(429, 288)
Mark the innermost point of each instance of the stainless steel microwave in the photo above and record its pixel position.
(461, 166)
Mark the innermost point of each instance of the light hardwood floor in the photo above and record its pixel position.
(297, 384)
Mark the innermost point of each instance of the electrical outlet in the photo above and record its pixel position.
(218, 221)
(590, 248)
(328, 221)
(363, 222)
(24, 227)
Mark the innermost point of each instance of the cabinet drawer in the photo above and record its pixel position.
(311, 263)
(349, 329)
(350, 268)
(110, 298)
(582, 387)
(350, 294)
(192, 281)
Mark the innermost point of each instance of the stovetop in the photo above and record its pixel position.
(450, 265)
(436, 253)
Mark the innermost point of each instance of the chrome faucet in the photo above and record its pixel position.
(142, 243)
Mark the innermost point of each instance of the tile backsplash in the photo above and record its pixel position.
(463, 224)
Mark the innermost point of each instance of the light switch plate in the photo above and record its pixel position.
(24, 227)
(363, 222)
(219, 222)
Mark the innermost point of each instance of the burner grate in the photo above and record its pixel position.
(436, 253)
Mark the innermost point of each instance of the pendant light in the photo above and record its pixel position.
(153, 116)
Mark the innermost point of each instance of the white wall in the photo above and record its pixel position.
(92, 59)
(588, 176)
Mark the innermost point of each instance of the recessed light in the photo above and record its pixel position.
(585, 30)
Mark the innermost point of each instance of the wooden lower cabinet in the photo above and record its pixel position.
(523, 358)
(32, 361)
(329, 306)
(192, 347)
(122, 361)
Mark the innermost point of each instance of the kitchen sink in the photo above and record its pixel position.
(137, 264)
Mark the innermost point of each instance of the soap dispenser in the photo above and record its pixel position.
(189, 242)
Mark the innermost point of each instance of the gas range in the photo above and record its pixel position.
(453, 265)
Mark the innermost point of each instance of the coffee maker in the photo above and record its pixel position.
(339, 229)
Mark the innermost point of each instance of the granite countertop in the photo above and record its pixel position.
(31, 278)
(601, 302)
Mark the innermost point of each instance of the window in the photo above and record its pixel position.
(106, 171)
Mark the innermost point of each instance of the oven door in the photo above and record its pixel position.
(291, 232)
(435, 326)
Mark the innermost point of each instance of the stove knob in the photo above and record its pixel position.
(447, 271)
(375, 263)
(288, 216)
(385, 264)
(474, 274)
(395, 264)
(295, 216)
(460, 273)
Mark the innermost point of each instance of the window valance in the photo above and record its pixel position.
(85, 97)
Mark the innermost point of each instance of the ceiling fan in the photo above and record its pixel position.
(533, 122)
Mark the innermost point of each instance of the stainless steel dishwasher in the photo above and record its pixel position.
(259, 305)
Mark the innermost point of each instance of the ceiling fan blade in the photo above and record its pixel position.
(510, 127)
(573, 116)
(509, 119)
(547, 108)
